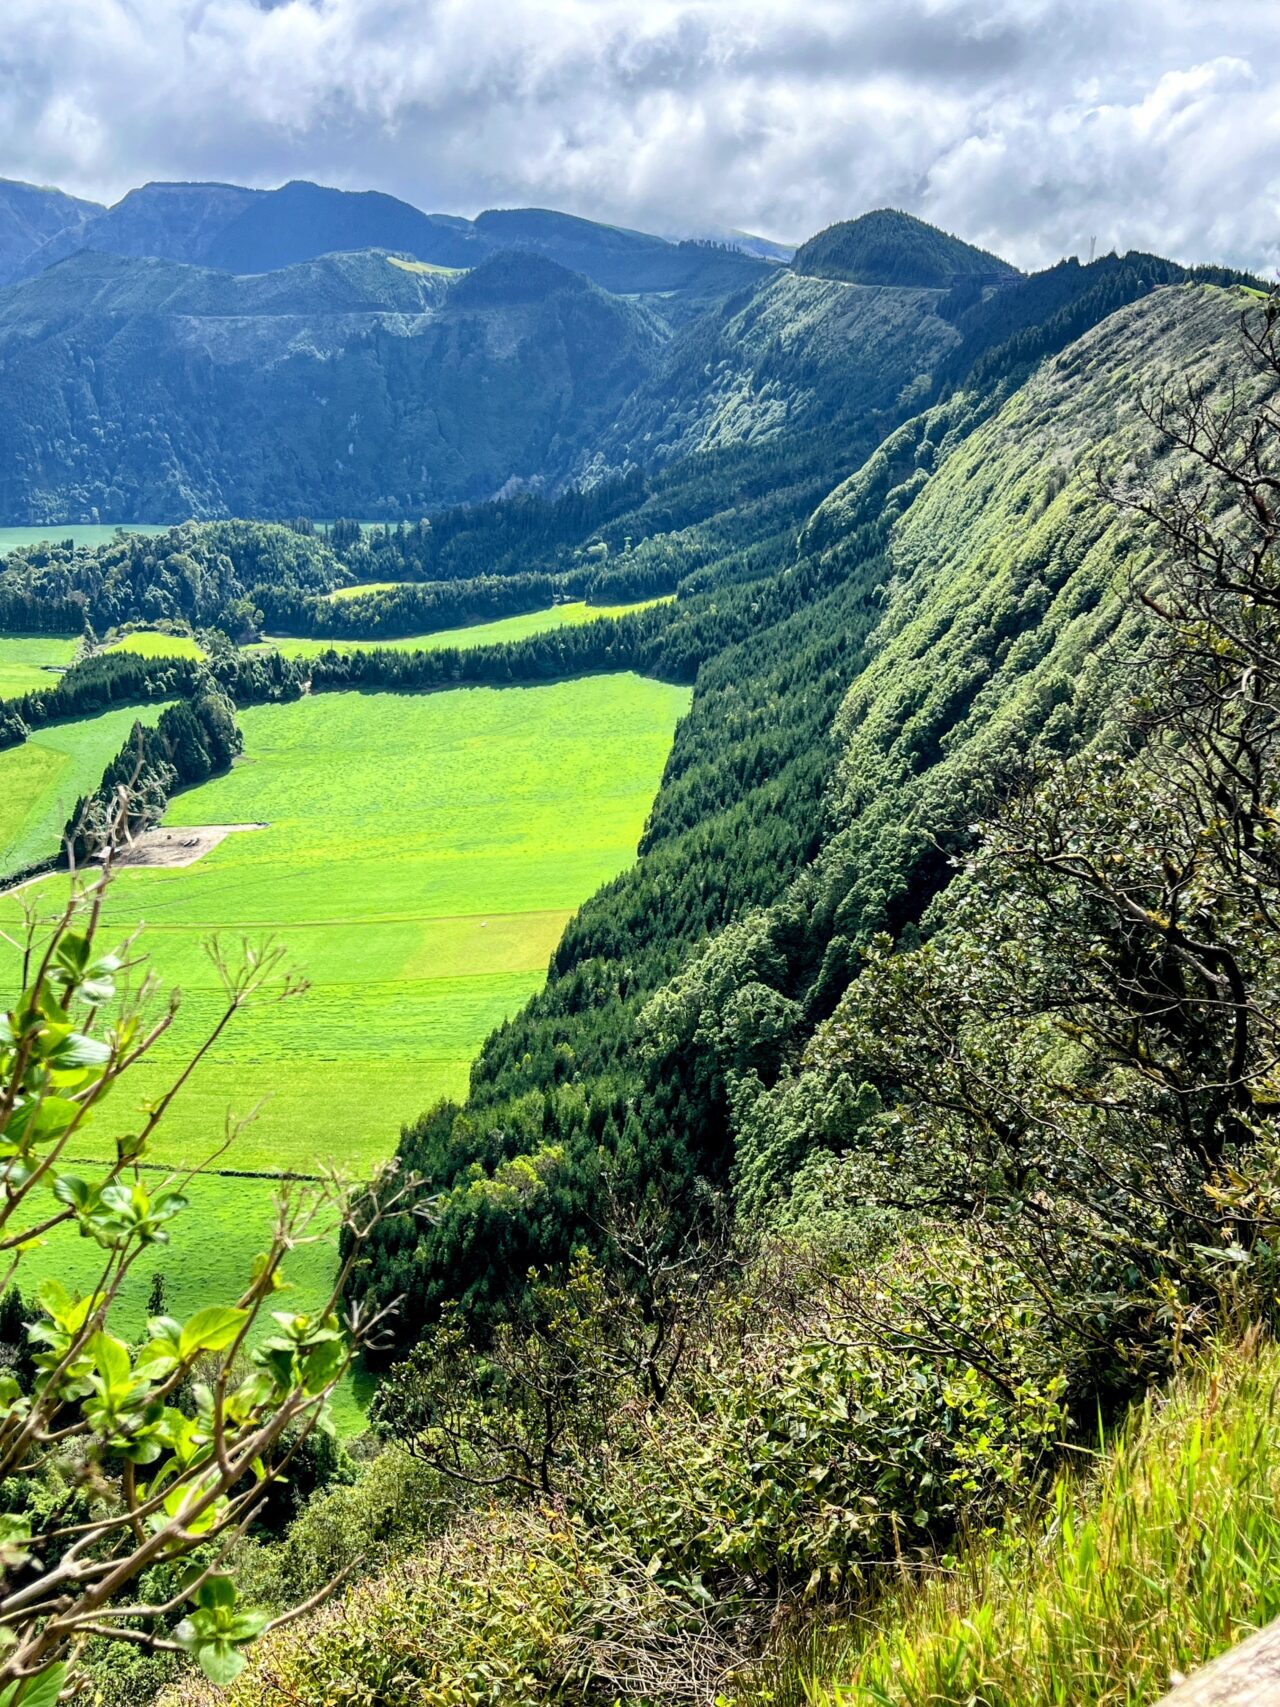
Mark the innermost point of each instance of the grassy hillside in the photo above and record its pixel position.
(1133, 1575)
(572, 614)
(152, 643)
(41, 780)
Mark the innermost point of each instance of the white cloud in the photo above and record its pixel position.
(1026, 125)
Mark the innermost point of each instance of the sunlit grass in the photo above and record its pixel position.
(421, 856)
(29, 662)
(569, 615)
(41, 780)
(1168, 1554)
(151, 643)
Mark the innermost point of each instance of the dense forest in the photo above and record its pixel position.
(901, 1117)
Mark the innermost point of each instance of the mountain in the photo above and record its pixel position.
(877, 1130)
(299, 221)
(795, 353)
(242, 230)
(891, 248)
(141, 388)
(33, 218)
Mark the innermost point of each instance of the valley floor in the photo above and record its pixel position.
(420, 857)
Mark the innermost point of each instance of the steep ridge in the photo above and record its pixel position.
(33, 217)
(1003, 637)
(951, 606)
(348, 380)
(795, 352)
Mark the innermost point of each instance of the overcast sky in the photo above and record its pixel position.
(1028, 126)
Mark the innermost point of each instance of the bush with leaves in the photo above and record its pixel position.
(164, 1449)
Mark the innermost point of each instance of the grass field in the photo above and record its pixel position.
(83, 533)
(355, 591)
(26, 661)
(41, 780)
(151, 643)
(570, 615)
(422, 856)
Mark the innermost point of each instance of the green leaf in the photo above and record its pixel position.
(76, 1193)
(77, 1050)
(112, 1358)
(216, 1592)
(211, 1329)
(219, 1660)
(42, 1690)
(36, 1121)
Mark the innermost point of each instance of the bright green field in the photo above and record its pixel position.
(26, 661)
(150, 643)
(355, 591)
(41, 780)
(83, 533)
(571, 615)
(423, 855)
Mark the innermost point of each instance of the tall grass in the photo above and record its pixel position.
(1166, 1555)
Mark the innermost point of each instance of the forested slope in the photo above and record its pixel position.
(347, 379)
(948, 610)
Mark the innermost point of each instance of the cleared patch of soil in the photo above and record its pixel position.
(179, 846)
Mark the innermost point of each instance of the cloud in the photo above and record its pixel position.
(1030, 126)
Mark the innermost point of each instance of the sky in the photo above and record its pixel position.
(1031, 127)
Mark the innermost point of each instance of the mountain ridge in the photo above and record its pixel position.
(242, 230)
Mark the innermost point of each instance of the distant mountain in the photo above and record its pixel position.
(299, 221)
(176, 222)
(241, 230)
(765, 247)
(356, 384)
(891, 248)
(32, 217)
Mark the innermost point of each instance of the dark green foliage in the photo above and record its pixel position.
(401, 395)
(15, 1348)
(892, 248)
(190, 742)
(1000, 639)
(1007, 332)
(108, 678)
(23, 612)
(496, 538)
(195, 574)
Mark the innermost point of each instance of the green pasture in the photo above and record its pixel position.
(41, 780)
(82, 533)
(421, 857)
(28, 661)
(354, 592)
(151, 643)
(571, 615)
